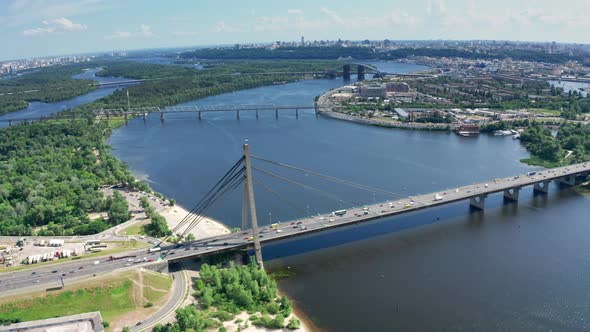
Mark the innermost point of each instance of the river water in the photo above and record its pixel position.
(39, 109)
(515, 267)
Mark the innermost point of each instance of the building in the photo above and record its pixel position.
(397, 87)
(88, 322)
(373, 90)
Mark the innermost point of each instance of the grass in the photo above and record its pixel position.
(111, 300)
(536, 161)
(121, 246)
(114, 298)
(135, 229)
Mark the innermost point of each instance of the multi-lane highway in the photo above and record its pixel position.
(49, 275)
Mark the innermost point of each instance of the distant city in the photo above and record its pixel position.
(13, 67)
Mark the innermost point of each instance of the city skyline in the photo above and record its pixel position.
(37, 28)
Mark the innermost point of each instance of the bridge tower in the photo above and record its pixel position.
(346, 72)
(360, 72)
(249, 206)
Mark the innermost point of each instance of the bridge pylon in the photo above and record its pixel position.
(249, 206)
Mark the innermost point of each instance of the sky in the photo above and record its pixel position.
(35, 28)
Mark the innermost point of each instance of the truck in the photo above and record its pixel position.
(339, 213)
(113, 258)
(154, 249)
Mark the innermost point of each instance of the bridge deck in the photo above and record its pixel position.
(319, 223)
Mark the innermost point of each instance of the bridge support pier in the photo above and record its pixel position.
(199, 115)
(238, 115)
(569, 180)
(478, 202)
(297, 113)
(126, 119)
(256, 114)
(277, 113)
(162, 116)
(541, 187)
(10, 123)
(144, 116)
(511, 194)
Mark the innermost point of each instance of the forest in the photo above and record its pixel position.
(50, 175)
(49, 84)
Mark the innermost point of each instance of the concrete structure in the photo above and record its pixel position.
(373, 90)
(88, 322)
(397, 87)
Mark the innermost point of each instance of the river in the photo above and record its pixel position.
(513, 267)
(39, 109)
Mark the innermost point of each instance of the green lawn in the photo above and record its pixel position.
(135, 229)
(111, 300)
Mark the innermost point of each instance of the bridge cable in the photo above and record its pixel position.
(201, 214)
(323, 193)
(222, 182)
(331, 178)
(212, 199)
(213, 189)
(287, 201)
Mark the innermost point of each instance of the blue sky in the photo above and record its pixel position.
(31, 28)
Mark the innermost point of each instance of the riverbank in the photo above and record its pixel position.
(325, 108)
(207, 227)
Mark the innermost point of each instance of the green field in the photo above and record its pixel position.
(135, 229)
(112, 299)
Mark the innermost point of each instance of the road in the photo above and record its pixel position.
(50, 275)
(179, 290)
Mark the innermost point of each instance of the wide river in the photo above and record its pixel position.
(38, 109)
(513, 267)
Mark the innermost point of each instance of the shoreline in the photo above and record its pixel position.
(207, 227)
(324, 108)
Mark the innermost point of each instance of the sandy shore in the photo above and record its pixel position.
(207, 227)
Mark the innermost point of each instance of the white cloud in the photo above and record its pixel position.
(295, 11)
(20, 12)
(57, 25)
(145, 31)
(333, 15)
(221, 26)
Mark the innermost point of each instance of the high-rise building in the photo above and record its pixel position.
(302, 41)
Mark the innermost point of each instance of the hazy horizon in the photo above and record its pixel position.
(39, 28)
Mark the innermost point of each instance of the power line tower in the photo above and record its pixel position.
(249, 206)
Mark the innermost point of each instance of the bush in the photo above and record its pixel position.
(222, 329)
(223, 316)
(105, 323)
(148, 305)
(294, 324)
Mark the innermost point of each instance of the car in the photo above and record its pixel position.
(331, 219)
(225, 243)
(34, 272)
(36, 281)
(72, 272)
(407, 206)
(209, 247)
(150, 260)
(128, 264)
(172, 253)
(54, 271)
(81, 267)
(299, 222)
(96, 262)
(63, 274)
(279, 230)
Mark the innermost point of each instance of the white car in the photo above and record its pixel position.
(96, 262)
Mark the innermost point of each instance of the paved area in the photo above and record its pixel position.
(87, 322)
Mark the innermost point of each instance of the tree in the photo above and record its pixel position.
(117, 208)
(158, 226)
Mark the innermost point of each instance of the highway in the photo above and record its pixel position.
(49, 275)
